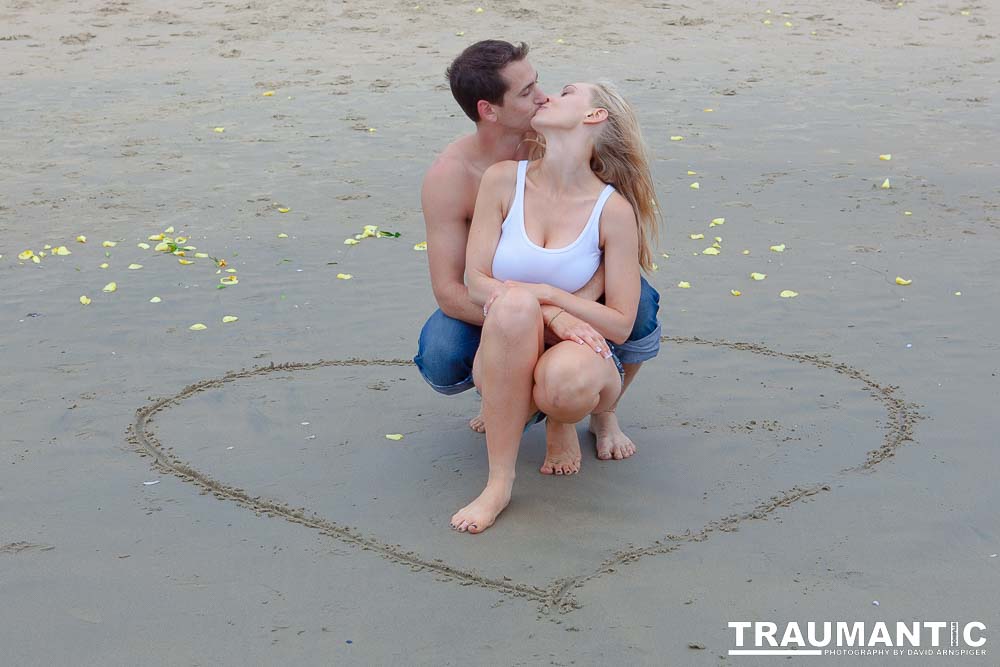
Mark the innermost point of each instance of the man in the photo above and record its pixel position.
(497, 87)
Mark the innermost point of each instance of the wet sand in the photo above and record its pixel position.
(799, 458)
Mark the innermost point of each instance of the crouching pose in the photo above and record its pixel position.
(539, 233)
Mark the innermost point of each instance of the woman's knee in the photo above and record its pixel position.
(514, 312)
(562, 388)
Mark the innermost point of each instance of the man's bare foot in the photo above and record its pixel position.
(562, 449)
(478, 424)
(612, 443)
(480, 514)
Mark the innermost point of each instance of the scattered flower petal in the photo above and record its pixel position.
(103, 266)
(197, 327)
(758, 276)
(162, 246)
(958, 294)
(656, 267)
(344, 276)
(394, 436)
(143, 246)
(708, 110)
(109, 244)
(201, 255)
(155, 299)
(746, 252)
(684, 284)
(169, 230)
(778, 248)
(716, 222)
(710, 251)
(695, 186)
(35, 259)
(735, 292)
(677, 137)
(421, 246)
(219, 129)
(229, 318)
(692, 173)
(479, 10)
(229, 280)
(788, 294)
(153, 237)
(282, 235)
(110, 287)
(27, 254)
(284, 210)
(85, 300)
(907, 212)
(902, 281)
(185, 261)
(695, 237)
(351, 242)
(885, 184)
(134, 267)
(268, 93)
(885, 156)
(81, 239)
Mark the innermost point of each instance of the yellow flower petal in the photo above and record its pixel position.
(788, 294)
(885, 156)
(169, 230)
(230, 270)
(47, 246)
(758, 276)
(85, 300)
(902, 281)
(692, 173)
(185, 261)
(716, 222)
(226, 319)
(155, 299)
(718, 239)
(684, 284)
(181, 239)
(695, 186)
(201, 255)
(885, 184)
(695, 237)
(656, 267)
(103, 266)
(907, 212)
(35, 259)
(229, 280)
(421, 246)
(778, 248)
(284, 210)
(746, 252)
(109, 244)
(788, 24)
(154, 237)
(81, 238)
(394, 436)
(110, 287)
(197, 327)
(344, 276)
(735, 292)
(144, 246)
(179, 252)
(677, 137)
(371, 130)
(767, 21)
(958, 294)
(710, 251)
(27, 254)
(219, 129)
(268, 93)
(479, 10)
(134, 267)
(351, 241)
(162, 246)
(282, 235)
(665, 255)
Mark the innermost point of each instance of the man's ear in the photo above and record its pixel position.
(486, 111)
(596, 116)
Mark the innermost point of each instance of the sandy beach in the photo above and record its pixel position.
(226, 495)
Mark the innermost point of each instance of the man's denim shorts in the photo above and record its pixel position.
(448, 346)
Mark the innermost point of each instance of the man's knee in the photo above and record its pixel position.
(645, 316)
(446, 350)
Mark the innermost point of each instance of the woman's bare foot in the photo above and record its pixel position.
(480, 514)
(478, 424)
(612, 443)
(562, 449)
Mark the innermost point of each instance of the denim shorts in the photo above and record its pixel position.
(447, 347)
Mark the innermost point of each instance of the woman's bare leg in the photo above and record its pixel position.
(571, 381)
(612, 443)
(508, 351)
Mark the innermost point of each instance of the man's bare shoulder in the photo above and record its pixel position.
(454, 166)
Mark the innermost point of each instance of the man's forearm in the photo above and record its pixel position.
(454, 302)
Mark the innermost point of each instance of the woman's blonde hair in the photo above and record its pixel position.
(619, 158)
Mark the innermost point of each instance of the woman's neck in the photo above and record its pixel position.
(566, 164)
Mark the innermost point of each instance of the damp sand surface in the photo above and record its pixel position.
(799, 458)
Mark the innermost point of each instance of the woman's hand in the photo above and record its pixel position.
(568, 327)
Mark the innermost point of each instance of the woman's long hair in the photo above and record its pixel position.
(619, 158)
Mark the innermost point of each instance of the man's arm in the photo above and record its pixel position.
(445, 196)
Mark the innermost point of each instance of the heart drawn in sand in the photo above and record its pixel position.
(556, 592)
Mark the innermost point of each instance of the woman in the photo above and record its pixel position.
(590, 195)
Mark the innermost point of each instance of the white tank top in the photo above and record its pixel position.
(568, 268)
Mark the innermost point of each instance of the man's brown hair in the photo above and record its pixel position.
(475, 74)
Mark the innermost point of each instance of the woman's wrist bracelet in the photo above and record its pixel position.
(549, 323)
